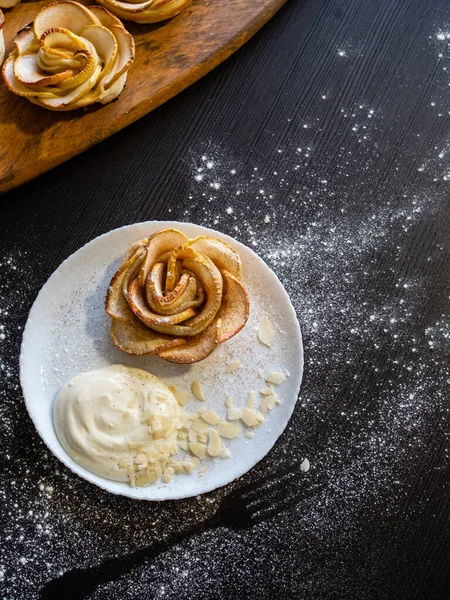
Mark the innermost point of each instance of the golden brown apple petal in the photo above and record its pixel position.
(126, 51)
(197, 348)
(182, 297)
(235, 308)
(14, 85)
(210, 279)
(133, 272)
(173, 271)
(224, 256)
(68, 15)
(161, 323)
(24, 41)
(71, 98)
(164, 257)
(8, 3)
(174, 265)
(134, 338)
(159, 243)
(154, 13)
(104, 43)
(134, 248)
(27, 70)
(115, 304)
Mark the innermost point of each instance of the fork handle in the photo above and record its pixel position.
(80, 583)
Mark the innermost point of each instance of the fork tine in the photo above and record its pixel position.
(261, 493)
(266, 513)
(276, 494)
(268, 481)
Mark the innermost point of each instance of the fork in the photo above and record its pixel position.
(241, 509)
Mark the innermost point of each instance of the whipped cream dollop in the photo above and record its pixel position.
(119, 422)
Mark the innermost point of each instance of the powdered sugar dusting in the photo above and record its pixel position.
(377, 368)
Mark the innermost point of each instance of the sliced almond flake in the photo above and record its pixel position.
(159, 433)
(234, 413)
(202, 410)
(202, 471)
(123, 463)
(186, 421)
(199, 426)
(277, 400)
(146, 479)
(248, 416)
(203, 437)
(198, 449)
(197, 390)
(267, 404)
(195, 416)
(214, 444)
(183, 445)
(270, 401)
(251, 401)
(182, 435)
(156, 423)
(249, 434)
(135, 445)
(266, 391)
(266, 332)
(131, 475)
(259, 419)
(260, 373)
(229, 402)
(147, 415)
(140, 459)
(182, 396)
(194, 463)
(225, 453)
(192, 436)
(228, 430)
(305, 466)
(185, 466)
(168, 474)
(276, 378)
(233, 366)
(211, 417)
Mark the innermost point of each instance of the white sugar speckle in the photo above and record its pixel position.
(305, 466)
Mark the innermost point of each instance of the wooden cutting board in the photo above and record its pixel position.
(169, 57)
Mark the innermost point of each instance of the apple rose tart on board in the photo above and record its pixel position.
(2, 38)
(71, 56)
(177, 297)
(149, 11)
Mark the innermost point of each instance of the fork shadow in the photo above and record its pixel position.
(235, 512)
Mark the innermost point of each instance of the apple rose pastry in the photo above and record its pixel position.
(2, 39)
(8, 3)
(70, 57)
(149, 11)
(177, 297)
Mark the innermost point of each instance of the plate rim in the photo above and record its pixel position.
(24, 359)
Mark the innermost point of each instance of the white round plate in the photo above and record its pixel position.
(67, 333)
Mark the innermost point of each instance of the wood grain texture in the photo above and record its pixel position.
(170, 56)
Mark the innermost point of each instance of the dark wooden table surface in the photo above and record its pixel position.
(335, 122)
